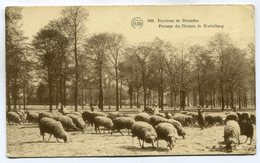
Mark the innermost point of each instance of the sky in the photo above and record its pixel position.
(238, 22)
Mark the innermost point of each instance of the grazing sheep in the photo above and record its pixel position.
(78, 121)
(123, 123)
(218, 119)
(52, 127)
(167, 132)
(231, 134)
(184, 112)
(180, 118)
(45, 114)
(112, 116)
(90, 116)
(243, 117)
(155, 120)
(189, 121)
(201, 120)
(103, 121)
(178, 126)
(145, 132)
(168, 115)
(209, 120)
(144, 117)
(252, 118)
(22, 115)
(247, 129)
(66, 122)
(32, 117)
(194, 115)
(13, 117)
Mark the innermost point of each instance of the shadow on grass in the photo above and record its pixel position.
(40, 142)
(145, 149)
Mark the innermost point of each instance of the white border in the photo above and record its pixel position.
(200, 159)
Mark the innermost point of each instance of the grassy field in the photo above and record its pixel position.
(25, 141)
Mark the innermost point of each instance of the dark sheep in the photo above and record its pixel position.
(167, 132)
(252, 118)
(243, 117)
(32, 117)
(247, 129)
(231, 116)
(209, 120)
(78, 121)
(189, 120)
(231, 134)
(201, 120)
(218, 119)
(194, 115)
(144, 117)
(89, 116)
(103, 121)
(52, 127)
(13, 117)
(66, 122)
(145, 132)
(123, 123)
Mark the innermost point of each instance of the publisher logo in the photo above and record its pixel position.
(137, 23)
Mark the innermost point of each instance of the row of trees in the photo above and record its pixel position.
(63, 59)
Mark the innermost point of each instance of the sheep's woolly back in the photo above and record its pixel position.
(231, 131)
(77, 120)
(123, 123)
(166, 130)
(103, 121)
(13, 117)
(180, 118)
(50, 126)
(144, 131)
(144, 117)
(90, 116)
(76, 113)
(155, 120)
(45, 114)
(66, 122)
(178, 126)
(32, 117)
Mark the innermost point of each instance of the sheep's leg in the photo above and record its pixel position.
(99, 130)
(251, 139)
(50, 137)
(120, 132)
(57, 140)
(140, 143)
(96, 129)
(43, 137)
(238, 140)
(246, 140)
(153, 144)
(157, 143)
(143, 144)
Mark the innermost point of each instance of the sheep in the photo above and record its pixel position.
(252, 118)
(209, 120)
(161, 115)
(231, 134)
(13, 117)
(107, 123)
(247, 129)
(183, 112)
(180, 118)
(243, 117)
(112, 116)
(231, 116)
(52, 127)
(76, 113)
(32, 117)
(45, 114)
(194, 115)
(155, 120)
(201, 120)
(123, 123)
(144, 117)
(22, 115)
(218, 119)
(189, 121)
(178, 126)
(78, 121)
(145, 132)
(90, 116)
(168, 115)
(66, 122)
(167, 132)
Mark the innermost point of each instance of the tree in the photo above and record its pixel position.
(46, 44)
(96, 50)
(115, 45)
(75, 18)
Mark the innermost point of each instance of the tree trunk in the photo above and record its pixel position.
(50, 94)
(117, 108)
(8, 99)
(121, 94)
(24, 101)
(82, 98)
(137, 100)
(171, 98)
(100, 104)
(76, 69)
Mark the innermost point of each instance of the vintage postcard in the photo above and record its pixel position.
(130, 80)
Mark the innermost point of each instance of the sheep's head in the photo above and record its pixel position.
(230, 144)
(64, 138)
(149, 138)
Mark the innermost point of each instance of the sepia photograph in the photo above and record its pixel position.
(110, 81)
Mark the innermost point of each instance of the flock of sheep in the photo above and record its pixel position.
(147, 128)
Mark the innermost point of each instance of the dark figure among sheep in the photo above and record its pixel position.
(201, 120)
